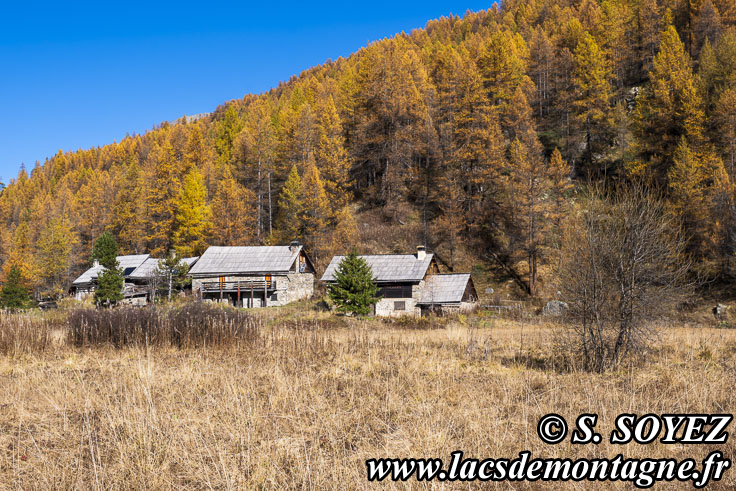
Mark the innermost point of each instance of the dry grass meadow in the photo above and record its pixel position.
(304, 401)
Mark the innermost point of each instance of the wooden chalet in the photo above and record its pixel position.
(254, 276)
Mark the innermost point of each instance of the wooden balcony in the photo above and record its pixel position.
(130, 290)
(238, 286)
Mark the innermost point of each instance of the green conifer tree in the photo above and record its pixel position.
(14, 295)
(355, 290)
(110, 281)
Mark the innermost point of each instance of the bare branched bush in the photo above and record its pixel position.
(621, 266)
(194, 325)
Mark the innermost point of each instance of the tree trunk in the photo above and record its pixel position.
(260, 194)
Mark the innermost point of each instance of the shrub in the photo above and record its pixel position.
(620, 268)
(193, 325)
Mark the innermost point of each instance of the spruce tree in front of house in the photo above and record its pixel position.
(14, 295)
(110, 281)
(355, 290)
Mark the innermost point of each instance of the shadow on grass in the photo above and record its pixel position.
(556, 364)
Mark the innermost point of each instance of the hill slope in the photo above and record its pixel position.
(471, 135)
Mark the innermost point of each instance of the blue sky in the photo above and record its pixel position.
(83, 75)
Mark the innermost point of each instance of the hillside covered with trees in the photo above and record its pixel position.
(477, 133)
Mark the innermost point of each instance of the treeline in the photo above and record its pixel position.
(481, 126)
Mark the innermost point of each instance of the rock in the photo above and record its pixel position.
(555, 308)
(719, 310)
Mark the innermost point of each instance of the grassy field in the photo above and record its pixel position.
(305, 401)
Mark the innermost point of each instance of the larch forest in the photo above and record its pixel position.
(476, 135)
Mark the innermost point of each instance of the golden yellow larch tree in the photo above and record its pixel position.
(164, 188)
(592, 105)
(129, 211)
(255, 152)
(291, 207)
(315, 211)
(332, 159)
(22, 255)
(192, 224)
(54, 256)
(233, 213)
(671, 108)
(346, 234)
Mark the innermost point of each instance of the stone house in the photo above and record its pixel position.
(253, 276)
(139, 272)
(146, 280)
(408, 286)
(85, 285)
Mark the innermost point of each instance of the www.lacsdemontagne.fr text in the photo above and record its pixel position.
(642, 473)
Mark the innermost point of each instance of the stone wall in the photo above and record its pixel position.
(386, 306)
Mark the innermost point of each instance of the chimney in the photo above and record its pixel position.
(95, 263)
(421, 253)
(294, 245)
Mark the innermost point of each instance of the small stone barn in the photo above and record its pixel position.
(448, 293)
(254, 276)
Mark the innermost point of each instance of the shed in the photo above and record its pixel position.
(447, 292)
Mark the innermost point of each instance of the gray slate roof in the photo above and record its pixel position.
(444, 288)
(246, 259)
(388, 267)
(126, 263)
(147, 269)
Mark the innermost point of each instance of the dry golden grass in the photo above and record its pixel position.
(304, 408)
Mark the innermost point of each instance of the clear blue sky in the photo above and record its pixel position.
(77, 75)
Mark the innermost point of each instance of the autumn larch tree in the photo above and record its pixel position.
(255, 154)
(291, 207)
(671, 108)
(346, 234)
(394, 85)
(315, 211)
(227, 132)
(55, 246)
(332, 158)
(192, 223)
(128, 211)
(233, 212)
(162, 200)
(593, 99)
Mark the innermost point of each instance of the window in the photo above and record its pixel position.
(395, 291)
(400, 305)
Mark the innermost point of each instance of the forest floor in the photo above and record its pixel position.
(306, 407)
